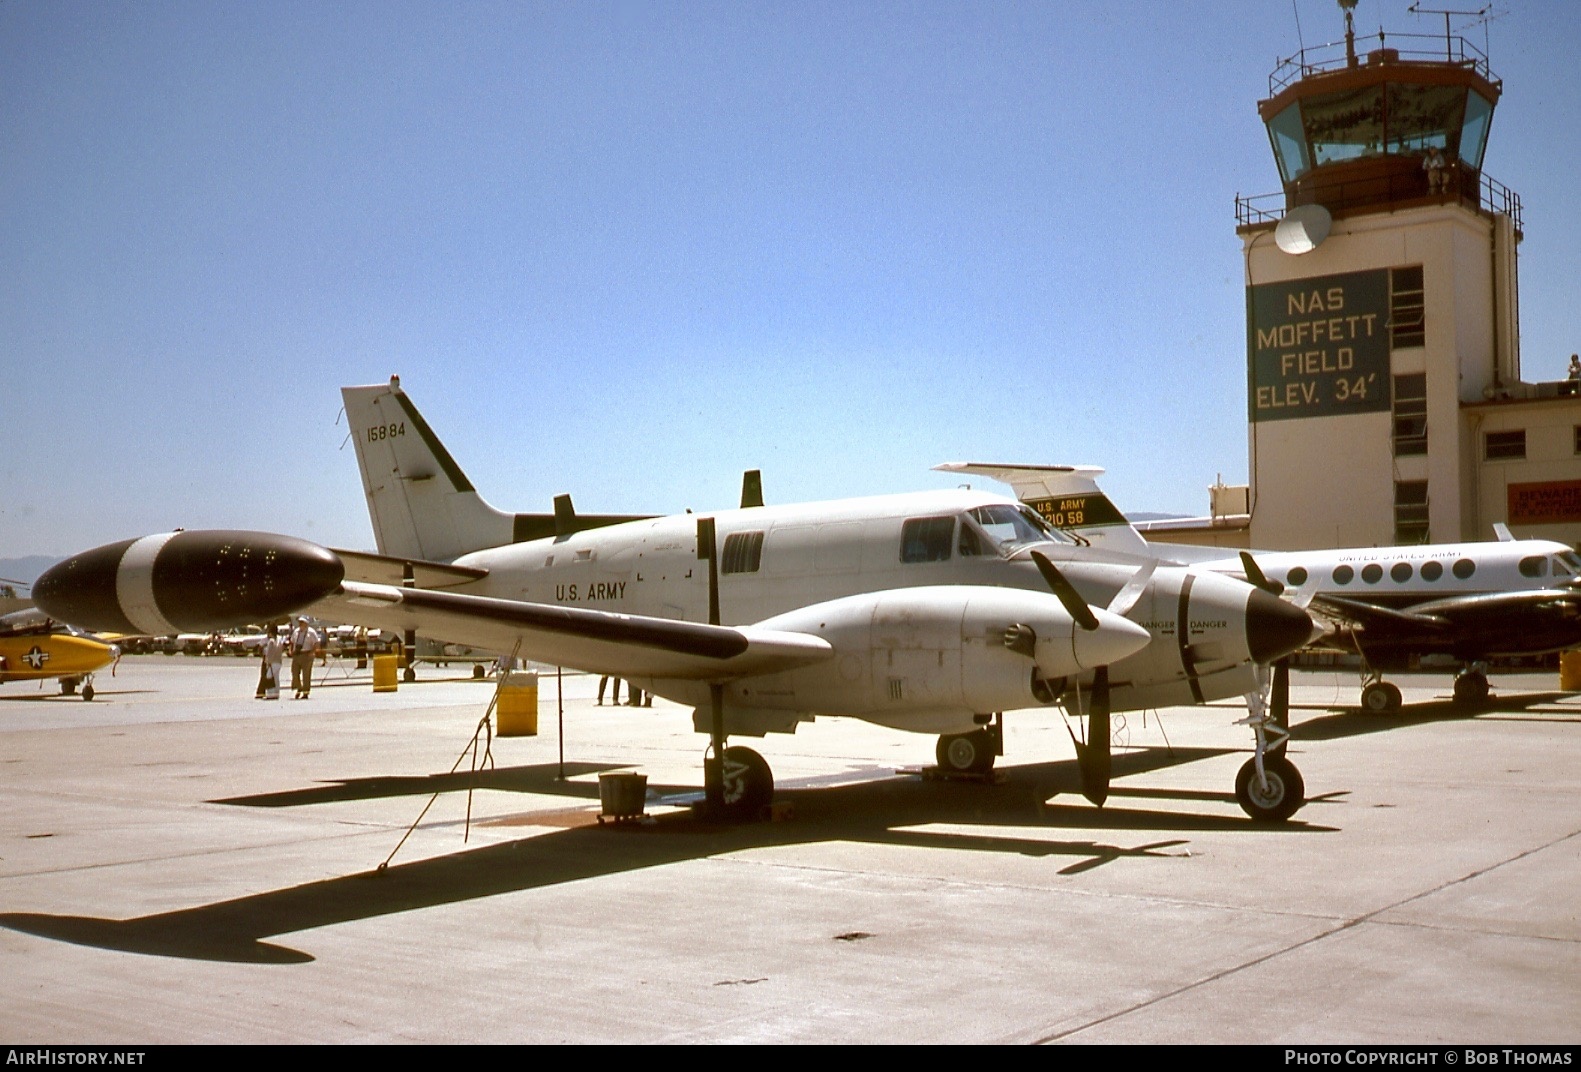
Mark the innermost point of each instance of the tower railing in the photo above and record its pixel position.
(1489, 195)
(1392, 48)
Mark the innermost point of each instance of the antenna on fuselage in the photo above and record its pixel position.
(751, 488)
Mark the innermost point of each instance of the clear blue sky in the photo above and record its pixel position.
(627, 250)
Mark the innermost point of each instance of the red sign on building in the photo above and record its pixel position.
(1548, 503)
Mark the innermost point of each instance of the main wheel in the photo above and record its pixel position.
(1279, 799)
(68, 686)
(748, 786)
(966, 753)
(1381, 697)
(1471, 688)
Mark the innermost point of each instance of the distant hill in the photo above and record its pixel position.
(26, 569)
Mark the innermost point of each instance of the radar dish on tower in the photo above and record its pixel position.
(1303, 229)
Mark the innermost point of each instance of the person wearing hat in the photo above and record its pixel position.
(305, 644)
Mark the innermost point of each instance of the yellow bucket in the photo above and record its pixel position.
(1570, 671)
(516, 714)
(385, 673)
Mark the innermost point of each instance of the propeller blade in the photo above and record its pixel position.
(1254, 574)
(1092, 758)
(1075, 605)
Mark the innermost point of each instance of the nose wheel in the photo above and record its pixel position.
(1272, 796)
(1268, 787)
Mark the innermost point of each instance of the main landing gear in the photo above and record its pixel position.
(1269, 787)
(1378, 696)
(1471, 685)
(742, 785)
(971, 753)
(68, 686)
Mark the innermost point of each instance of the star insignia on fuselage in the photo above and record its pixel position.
(36, 657)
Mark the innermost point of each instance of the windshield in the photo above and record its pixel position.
(1567, 564)
(1008, 527)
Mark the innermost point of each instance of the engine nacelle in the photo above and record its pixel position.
(936, 652)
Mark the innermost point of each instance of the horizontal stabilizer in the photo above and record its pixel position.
(391, 569)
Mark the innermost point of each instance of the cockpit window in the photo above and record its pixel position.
(926, 539)
(970, 543)
(1534, 566)
(1007, 527)
(1567, 564)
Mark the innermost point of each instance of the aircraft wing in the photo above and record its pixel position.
(1370, 615)
(601, 642)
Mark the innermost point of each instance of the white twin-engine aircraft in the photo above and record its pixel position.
(933, 612)
(1469, 601)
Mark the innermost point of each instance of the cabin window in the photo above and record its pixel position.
(1432, 571)
(743, 553)
(1343, 574)
(1372, 573)
(926, 539)
(1534, 566)
(1400, 573)
(1499, 445)
(1578, 438)
(1296, 577)
(1464, 568)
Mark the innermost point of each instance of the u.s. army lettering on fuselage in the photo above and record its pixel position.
(597, 590)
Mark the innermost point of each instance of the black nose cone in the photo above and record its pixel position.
(189, 581)
(220, 580)
(1275, 628)
(81, 590)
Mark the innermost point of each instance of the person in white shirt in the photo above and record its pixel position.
(305, 645)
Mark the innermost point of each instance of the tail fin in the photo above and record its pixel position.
(1068, 497)
(422, 505)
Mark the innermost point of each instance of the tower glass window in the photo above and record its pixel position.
(1407, 319)
(1424, 115)
(1290, 143)
(1410, 511)
(1410, 414)
(1474, 135)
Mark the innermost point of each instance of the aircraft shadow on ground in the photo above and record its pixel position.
(101, 696)
(890, 811)
(541, 778)
(1340, 722)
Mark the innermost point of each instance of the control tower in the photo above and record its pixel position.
(1384, 392)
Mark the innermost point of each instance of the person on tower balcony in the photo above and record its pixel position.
(1437, 169)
